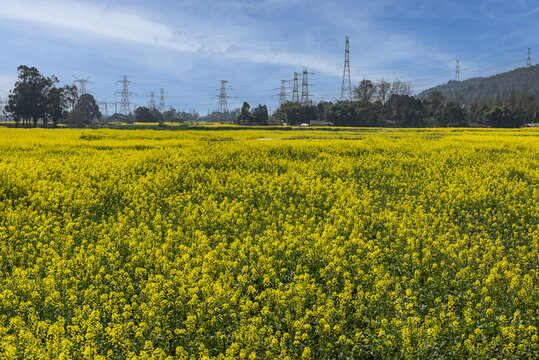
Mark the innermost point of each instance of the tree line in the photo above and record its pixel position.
(150, 114)
(36, 98)
(386, 104)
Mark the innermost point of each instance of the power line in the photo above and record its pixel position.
(346, 87)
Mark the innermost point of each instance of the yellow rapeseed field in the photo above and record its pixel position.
(363, 244)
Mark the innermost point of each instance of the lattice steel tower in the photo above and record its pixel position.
(103, 105)
(295, 89)
(124, 102)
(346, 88)
(305, 87)
(282, 94)
(162, 100)
(152, 101)
(457, 71)
(81, 85)
(223, 98)
(529, 60)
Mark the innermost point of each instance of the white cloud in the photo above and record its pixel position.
(98, 20)
(130, 27)
(177, 41)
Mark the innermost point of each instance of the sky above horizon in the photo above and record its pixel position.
(186, 47)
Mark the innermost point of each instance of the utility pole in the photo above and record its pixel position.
(295, 89)
(529, 60)
(162, 100)
(124, 102)
(223, 98)
(282, 94)
(346, 88)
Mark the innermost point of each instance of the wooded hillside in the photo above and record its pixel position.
(499, 87)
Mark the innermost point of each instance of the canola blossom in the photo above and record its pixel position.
(207, 244)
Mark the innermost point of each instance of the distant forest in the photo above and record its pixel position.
(496, 88)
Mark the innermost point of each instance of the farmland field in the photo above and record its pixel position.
(364, 244)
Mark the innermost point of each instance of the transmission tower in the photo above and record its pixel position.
(346, 88)
(457, 71)
(282, 94)
(529, 60)
(295, 89)
(81, 85)
(305, 87)
(104, 105)
(124, 102)
(223, 98)
(152, 100)
(162, 100)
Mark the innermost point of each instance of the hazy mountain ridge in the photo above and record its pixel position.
(496, 87)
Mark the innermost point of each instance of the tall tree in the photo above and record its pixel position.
(59, 100)
(245, 116)
(382, 90)
(400, 87)
(88, 109)
(260, 114)
(433, 103)
(354, 113)
(28, 99)
(322, 109)
(158, 117)
(171, 115)
(405, 111)
(365, 91)
(451, 114)
(294, 113)
(143, 114)
(343, 113)
(503, 116)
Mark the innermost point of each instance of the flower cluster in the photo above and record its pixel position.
(402, 244)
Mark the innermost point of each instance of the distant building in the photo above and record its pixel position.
(321, 123)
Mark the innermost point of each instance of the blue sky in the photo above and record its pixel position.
(188, 46)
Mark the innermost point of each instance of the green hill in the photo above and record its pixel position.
(497, 87)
